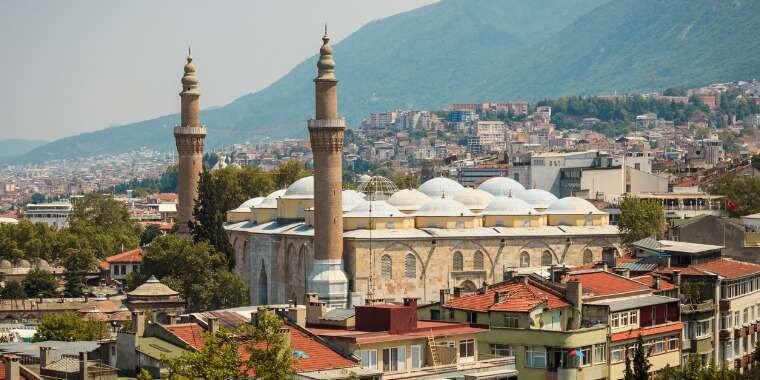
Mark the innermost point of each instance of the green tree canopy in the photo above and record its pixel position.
(741, 194)
(12, 291)
(640, 218)
(273, 359)
(40, 283)
(150, 232)
(640, 361)
(77, 262)
(218, 359)
(69, 327)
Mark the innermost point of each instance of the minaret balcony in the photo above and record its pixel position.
(180, 130)
(327, 123)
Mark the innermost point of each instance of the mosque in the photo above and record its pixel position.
(349, 246)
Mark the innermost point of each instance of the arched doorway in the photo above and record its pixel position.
(263, 286)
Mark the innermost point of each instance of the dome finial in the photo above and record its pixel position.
(326, 63)
(190, 78)
(189, 54)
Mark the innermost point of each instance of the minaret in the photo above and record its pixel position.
(189, 136)
(327, 278)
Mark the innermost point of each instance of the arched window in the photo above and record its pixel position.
(468, 286)
(263, 286)
(588, 257)
(524, 259)
(546, 258)
(410, 266)
(458, 261)
(386, 266)
(477, 260)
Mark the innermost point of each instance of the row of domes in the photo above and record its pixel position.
(441, 197)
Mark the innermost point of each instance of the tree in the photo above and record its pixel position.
(37, 198)
(640, 361)
(270, 356)
(13, 291)
(674, 91)
(289, 172)
(144, 375)
(40, 283)
(69, 327)
(741, 194)
(640, 218)
(195, 270)
(150, 232)
(103, 224)
(77, 263)
(218, 359)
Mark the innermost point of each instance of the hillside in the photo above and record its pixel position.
(15, 147)
(476, 50)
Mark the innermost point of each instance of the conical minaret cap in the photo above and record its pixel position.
(190, 78)
(326, 63)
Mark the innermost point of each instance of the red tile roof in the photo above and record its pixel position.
(517, 297)
(729, 268)
(127, 257)
(166, 197)
(423, 330)
(190, 333)
(600, 283)
(648, 280)
(647, 331)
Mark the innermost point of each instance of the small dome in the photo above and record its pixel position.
(508, 206)
(351, 199)
(408, 199)
(440, 186)
(271, 200)
(152, 288)
(501, 186)
(536, 197)
(5, 264)
(24, 264)
(443, 207)
(364, 178)
(246, 206)
(572, 205)
(474, 199)
(42, 264)
(303, 188)
(380, 209)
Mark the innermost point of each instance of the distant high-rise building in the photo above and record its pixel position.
(190, 136)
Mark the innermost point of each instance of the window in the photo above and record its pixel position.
(535, 357)
(477, 260)
(435, 315)
(633, 317)
(737, 319)
(600, 353)
(616, 354)
(501, 350)
(368, 358)
(511, 320)
(458, 261)
(390, 225)
(700, 329)
(725, 320)
(386, 266)
(460, 224)
(624, 319)
(451, 314)
(673, 343)
(394, 359)
(588, 257)
(467, 348)
(526, 222)
(615, 320)
(416, 356)
(410, 266)
(524, 259)
(472, 317)
(585, 358)
(546, 258)
(746, 315)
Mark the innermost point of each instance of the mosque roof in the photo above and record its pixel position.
(508, 206)
(439, 186)
(408, 199)
(303, 188)
(443, 207)
(153, 288)
(351, 199)
(572, 205)
(270, 201)
(246, 206)
(380, 209)
(474, 199)
(501, 186)
(537, 198)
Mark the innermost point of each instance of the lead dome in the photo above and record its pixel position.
(443, 207)
(537, 198)
(408, 200)
(572, 205)
(474, 199)
(440, 186)
(303, 188)
(501, 186)
(508, 206)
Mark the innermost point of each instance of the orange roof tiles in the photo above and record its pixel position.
(423, 330)
(190, 333)
(648, 280)
(517, 297)
(600, 283)
(647, 331)
(127, 257)
(729, 268)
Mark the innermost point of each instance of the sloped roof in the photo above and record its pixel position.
(190, 333)
(601, 283)
(647, 331)
(153, 288)
(157, 348)
(516, 296)
(648, 280)
(729, 268)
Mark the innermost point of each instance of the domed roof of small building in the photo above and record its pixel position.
(270, 201)
(246, 206)
(408, 199)
(537, 198)
(572, 205)
(42, 264)
(380, 209)
(440, 186)
(152, 288)
(474, 199)
(303, 188)
(351, 199)
(5, 264)
(443, 207)
(508, 206)
(501, 186)
(364, 178)
(24, 264)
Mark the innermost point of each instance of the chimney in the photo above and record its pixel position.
(315, 309)
(574, 294)
(46, 356)
(312, 297)
(508, 274)
(213, 324)
(254, 317)
(677, 277)
(12, 367)
(138, 323)
(411, 302)
(83, 375)
(173, 319)
(601, 265)
(656, 282)
(445, 296)
(620, 271)
(457, 292)
(298, 314)
(561, 274)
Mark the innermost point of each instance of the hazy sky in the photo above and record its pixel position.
(68, 67)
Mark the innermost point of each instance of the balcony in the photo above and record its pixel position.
(481, 369)
(706, 306)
